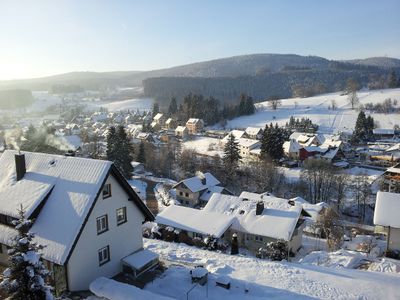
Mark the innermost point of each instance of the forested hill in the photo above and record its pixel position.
(259, 75)
(283, 84)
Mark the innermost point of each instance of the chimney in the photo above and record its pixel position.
(259, 208)
(203, 180)
(20, 166)
(291, 202)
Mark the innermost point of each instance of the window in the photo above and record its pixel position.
(107, 190)
(186, 194)
(181, 193)
(121, 215)
(104, 255)
(1, 248)
(258, 238)
(102, 224)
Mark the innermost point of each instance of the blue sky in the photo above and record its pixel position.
(44, 37)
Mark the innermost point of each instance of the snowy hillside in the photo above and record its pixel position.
(316, 108)
(265, 279)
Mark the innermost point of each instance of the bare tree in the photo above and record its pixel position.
(361, 192)
(317, 174)
(333, 229)
(274, 103)
(353, 99)
(341, 186)
(266, 177)
(333, 104)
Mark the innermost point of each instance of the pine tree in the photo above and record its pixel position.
(124, 151)
(156, 109)
(231, 154)
(360, 133)
(272, 142)
(141, 156)
(25, 277)
(266, 142)
(111, 143)
(173, 107)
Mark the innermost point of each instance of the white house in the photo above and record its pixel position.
(254, 133)
(246, 145)
(386, 218)
(181, 131)
(197, 190)
(260, 218)
(196, 223)
(85, 214)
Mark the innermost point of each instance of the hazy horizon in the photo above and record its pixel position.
(46, 38)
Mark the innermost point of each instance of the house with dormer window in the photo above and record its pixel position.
(84, 212)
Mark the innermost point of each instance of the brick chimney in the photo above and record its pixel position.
(20, 166)
(259, 208)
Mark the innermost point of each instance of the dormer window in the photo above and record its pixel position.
(107, 191)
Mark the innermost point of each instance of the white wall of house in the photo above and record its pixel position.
(394, 239)
(83, 266)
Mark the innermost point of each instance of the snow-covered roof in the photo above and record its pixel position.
(331, 153)
(69, 185)
(253, 131)
(72, 141)
(313, 210)
(194, 121)
(383, 131)
(395, 147)
(139, 259)
(180, 129)
(74, 182)
(206, 195)
(106, 288)
(387, 209)
(158, 116)
(195, 220)
(248, 143)
(291, 146)
(394, 169)
(200, 182)
(236, 133)
(278, 219)
(169, 121)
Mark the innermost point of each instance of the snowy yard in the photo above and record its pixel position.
(265, 279)
(205, 145)
(316, 108)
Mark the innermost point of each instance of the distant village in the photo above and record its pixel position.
(258, 192)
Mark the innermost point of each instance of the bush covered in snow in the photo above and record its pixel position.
(276, 250)
(25, 278)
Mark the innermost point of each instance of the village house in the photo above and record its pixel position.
(194, 222)
(236, 133)
(197, 190)
(391, 179)
(259, 219)
(181, 132)
(84, 212)
(159, 119)
(381, 133)
(246, 145)
(386, 218)
(254, 133)
(170, 123)
(194, 126)
(291, 149)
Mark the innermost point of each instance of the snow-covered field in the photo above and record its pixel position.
(265, 279)
(316, 108)
(142, 104)
(205, 145)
